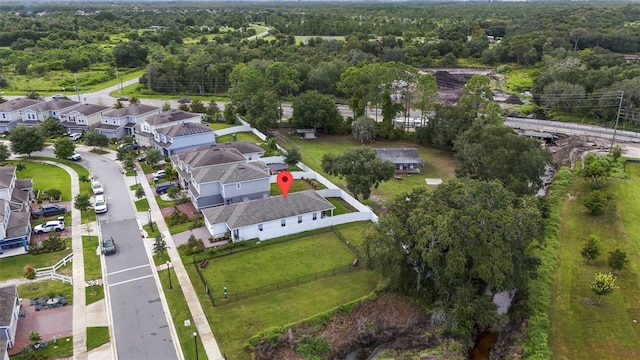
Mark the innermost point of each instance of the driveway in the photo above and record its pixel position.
(53, 323)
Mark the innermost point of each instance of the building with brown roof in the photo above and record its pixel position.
(178, 137)
(37, 113)
(11, 112)
(147, 128)
(82, 118)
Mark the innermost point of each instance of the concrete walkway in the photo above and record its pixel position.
(202, 325)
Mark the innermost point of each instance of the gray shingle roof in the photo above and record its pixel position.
(399, 155)
(244, 147)
(17, 225)
(107, 126)
(170, 116)
(17, 104)
(8, 295)
(131, 110)
(7, 173)
(90, 109)
(209, 156)
(231, 173)
(55, 104)
(267, 209)
(184, 129)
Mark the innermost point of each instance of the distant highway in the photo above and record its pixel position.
(559, 127)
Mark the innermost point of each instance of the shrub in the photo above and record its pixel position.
(193, 246)
(177, 217)
(595, 202)
(29, 272)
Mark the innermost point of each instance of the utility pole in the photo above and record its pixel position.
(75, 77)
(615, 128)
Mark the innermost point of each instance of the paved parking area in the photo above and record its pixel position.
(50, 323)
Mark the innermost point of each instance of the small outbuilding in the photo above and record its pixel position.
(405, 159)
(306, 133)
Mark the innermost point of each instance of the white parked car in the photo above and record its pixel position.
(159, 174)
(48, 226)
(57, 96)
(75, 136)
(96, 187)
(100, 205)
(75, 157)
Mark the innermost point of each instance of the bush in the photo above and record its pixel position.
(193, 246)
(177, 217)
(596, 202)
(29, 272)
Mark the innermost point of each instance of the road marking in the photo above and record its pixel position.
(130, 280)
(128, 269)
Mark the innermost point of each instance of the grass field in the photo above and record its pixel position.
(46, 176)
(354, 232)
(520, 80)
(240, 136)
(579, 327)
(341, 206)
(142, 205)
(437, 163)
(179, 313)
(11, 267)
(251, 269)
(219, 126)
(85, 187)
(297, 185)
(92, 267)
(62, 348)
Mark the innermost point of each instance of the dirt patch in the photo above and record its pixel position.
(389, 321)
(186, 208)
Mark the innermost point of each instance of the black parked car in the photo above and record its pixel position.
(134, 146)
(48, 210)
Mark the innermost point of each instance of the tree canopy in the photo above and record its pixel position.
(456, 247)
(360, 168)
(25, 140)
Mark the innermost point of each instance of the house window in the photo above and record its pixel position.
(299, 219)
(260, 227)
(238, 185)
(4, 116)
(283, 223)
(315, 216)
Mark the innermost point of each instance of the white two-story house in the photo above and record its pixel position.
(11, 112)
(37, 113)
(247, 220)
(147, 128)
(15, 196)
(183, 136)
(121, 122)
(229, 183)
(83, 117)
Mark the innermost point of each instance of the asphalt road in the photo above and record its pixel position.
(139, 322)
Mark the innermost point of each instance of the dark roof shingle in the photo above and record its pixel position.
(184, 129)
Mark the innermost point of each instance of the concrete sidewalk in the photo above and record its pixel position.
(202, 325)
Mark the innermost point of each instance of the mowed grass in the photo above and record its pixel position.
(274, 263)
(46, 176)
(92, 267)
(581, 329)
(355, 232)
(233, 324)
(297, 185)
(240, 136)
(437, 163)
(342, 207)
(44, 288)
(12, 267)
(219, 126)
(179, 313)
(96, 336)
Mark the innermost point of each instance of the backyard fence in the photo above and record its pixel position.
(50, 271)
(220, 299)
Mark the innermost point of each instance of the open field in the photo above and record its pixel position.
(53, 82)
(520, 80)
(354, 232)
(437, 163)
(580, 328)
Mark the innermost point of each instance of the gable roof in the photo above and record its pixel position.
(272, 208)
(244, 147)
(89, 109)
(7, 173)
(55, 104)
(399, 155)
(170, 116)
(184, 129)
(131, 110)
(17, 104)
(8, 295)
(209, 156)
(231, 173)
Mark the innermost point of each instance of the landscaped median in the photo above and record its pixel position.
(92, 268)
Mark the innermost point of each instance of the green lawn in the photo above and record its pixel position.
(270, 264)
(92, 267)
(12, 267)
(341, 206)
(179, 313)
(61, 348)
(151, 233)
(520, 80)
(142, 205)
(297, 185)
(85, 187)
(43, 288)
(93, 294)
(579, 327)
(354, 232)
(176, 229)
(437, 163)
(97, 336)
(219, 126)
(240, 136)
(46, 176)
(233, 324)
(88, 216)
(164, 203)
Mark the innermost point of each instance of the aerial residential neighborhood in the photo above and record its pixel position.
(319, 180)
